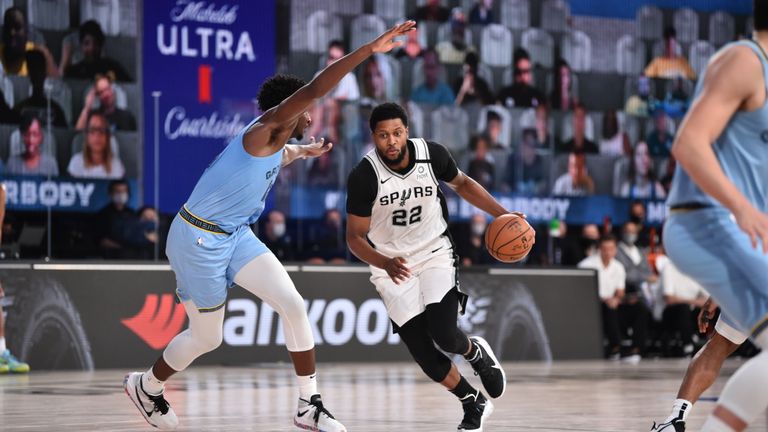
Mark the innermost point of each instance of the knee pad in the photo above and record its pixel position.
(742, 395)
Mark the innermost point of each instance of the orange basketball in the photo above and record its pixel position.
(509, 238)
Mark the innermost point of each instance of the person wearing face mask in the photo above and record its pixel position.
(637, 216)
(114, 222)
(639, 276)
(327, 241)
(581, 244)
(473, 249)
(275, 237)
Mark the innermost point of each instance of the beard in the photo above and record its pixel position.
(397, 160)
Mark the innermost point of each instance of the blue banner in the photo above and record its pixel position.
(61, 194)
(311, 203)
(627, 9)
(203, 63)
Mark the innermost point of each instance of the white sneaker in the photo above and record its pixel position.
(155, 409)
(312, 416)
(631, 359)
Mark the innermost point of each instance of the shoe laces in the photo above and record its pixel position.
(161, 405)
(319, 409)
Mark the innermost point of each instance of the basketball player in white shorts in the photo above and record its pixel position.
(397, 223)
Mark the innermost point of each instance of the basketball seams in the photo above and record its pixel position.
(495, 250)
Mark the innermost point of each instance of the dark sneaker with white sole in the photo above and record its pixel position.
(488, 368)
(477, 409)
(674, 425)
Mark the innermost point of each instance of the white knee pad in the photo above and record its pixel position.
(746, 393)
(267, 279)
(203, 335)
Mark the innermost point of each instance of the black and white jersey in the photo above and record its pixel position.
(407, 210)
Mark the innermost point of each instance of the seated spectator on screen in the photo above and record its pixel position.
(412, 48)
(374, 84)
(637, 216)
(471, 88)
(432, 91)
(544, 138)
(482, 13)
(579, 141)
(328, 241)
(472, 248)
(677, 99)
(610, 284)
(115, 222)
(641, 176)
(276, 238)
(432, 11)
(117, 118)
(575, 182)
(15, 44)
(326, 113)
(641, 103)
(96, 159)
(38, 102)
(141, 235)
(614, 142)
(493, 128)
(525, 169)
(668, 174)
(522, 93)
(670, 64)
(660, 139)
(94, 61)
(481, 167)
(33, 160)
(561, 97)
(455, 50)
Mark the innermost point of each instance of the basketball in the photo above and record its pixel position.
(509, 238)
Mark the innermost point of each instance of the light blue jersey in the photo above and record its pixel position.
(233, 189)
(210, 239)
(705, 242)
(742, 151)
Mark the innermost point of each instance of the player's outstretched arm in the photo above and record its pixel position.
(312, 149)
(327, 79)
(734, 81)
(357, 241)
(476, 195)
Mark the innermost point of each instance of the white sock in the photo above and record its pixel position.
(714, 424)
(151, 384)
(680, 409)
(2, 343)
(307, 386)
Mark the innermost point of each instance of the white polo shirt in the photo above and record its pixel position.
(609, 279)
(676, 283)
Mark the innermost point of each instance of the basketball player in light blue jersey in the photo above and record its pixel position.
(211, 245)
(718, 228)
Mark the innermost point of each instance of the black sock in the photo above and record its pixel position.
(465, 392)
(470, 356)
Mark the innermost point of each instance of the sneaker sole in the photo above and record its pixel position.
(488, 349)
(305, 427)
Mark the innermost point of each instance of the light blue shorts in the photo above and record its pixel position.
(205, 263)
(708, 245)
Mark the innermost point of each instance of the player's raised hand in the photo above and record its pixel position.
(397, 270)
(755, 224)
(706, 314)
(316, 148)
(386, 42)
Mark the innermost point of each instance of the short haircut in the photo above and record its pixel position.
(92, 27)
(336, 43)
(115, 183)
(387, 111)
(492, 116)
(27, 117)
(276, 89)
(760, 15)
(606, 238)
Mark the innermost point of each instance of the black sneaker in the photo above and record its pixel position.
(477, 409)
(488, 368)
(675, 425)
